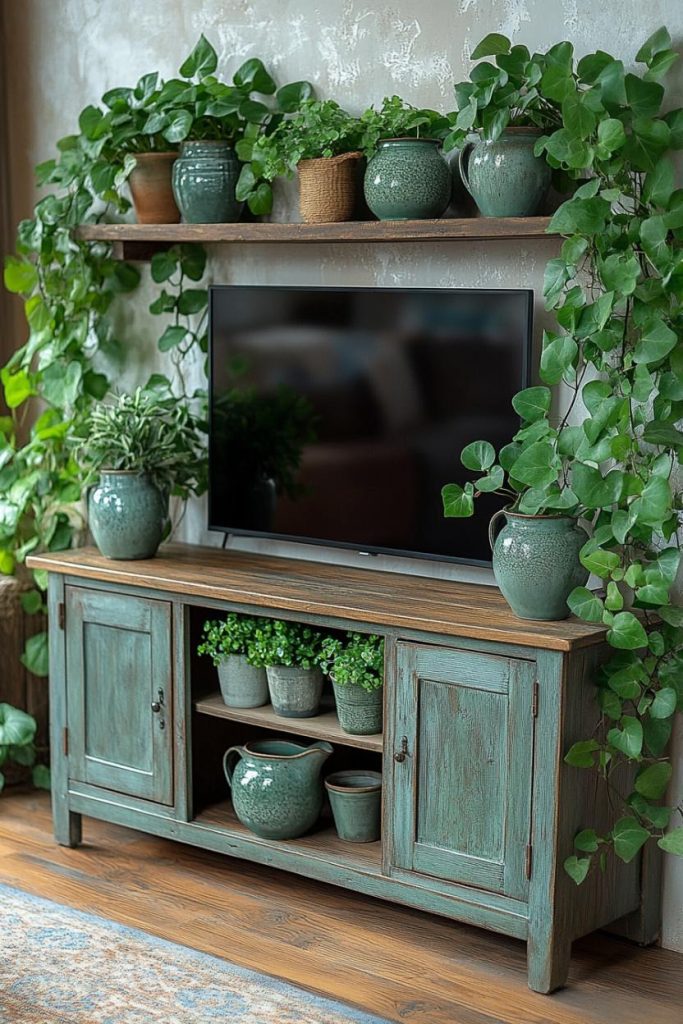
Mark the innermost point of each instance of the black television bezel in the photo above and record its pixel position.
(345, 545)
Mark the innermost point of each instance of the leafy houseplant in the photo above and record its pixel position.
(322, 142)
(17, 732)
(356, 667)
(291, 653)
(145, 447)
(615, 291)
(229, 644)
(406, 176)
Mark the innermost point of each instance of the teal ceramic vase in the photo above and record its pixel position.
(276, 786)
(356, 802)
(242, 685)
(504, 177)
(127, 514)
(295, 692)
(407, 179)
(359, 711)
(536, 563)
(204, 179)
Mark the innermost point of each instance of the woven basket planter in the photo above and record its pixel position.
(327, 188)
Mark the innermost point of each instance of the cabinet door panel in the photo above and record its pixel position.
(461, 798)
(118, 666)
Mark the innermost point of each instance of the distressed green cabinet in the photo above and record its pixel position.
(479, 808)
(461, 802)
(118, 670)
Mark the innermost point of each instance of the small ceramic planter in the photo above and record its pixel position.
(359, 711)
(536, 563)
(408, 179)
(504, 177)
(204, 179)
(356, 802)
(127, 514)
(295, 692)
(242, 685)
(327, 188)
(151, 190)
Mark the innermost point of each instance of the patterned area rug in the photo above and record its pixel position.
(60, 966)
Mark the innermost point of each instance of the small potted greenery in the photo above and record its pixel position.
(356, 667)
(406, 177)
(322, 142)
(508, 106)
(241, 674)
(145, 448)
(291, 653)
(17, 734)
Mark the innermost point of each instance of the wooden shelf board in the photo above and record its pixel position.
(324, 726)
(322, 842)
(140, 241)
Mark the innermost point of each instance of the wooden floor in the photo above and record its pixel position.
(395, 962)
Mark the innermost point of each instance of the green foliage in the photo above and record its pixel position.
(615, 291)
(17, 733)
(235, 634)
(276, 642)
(397, 119)
(357, 660)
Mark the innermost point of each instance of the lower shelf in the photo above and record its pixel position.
(323, 842)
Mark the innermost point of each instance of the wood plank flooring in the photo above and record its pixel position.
(392, 961)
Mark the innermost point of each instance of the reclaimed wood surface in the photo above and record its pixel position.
(391, 600)
(390, 960)
(324, 726)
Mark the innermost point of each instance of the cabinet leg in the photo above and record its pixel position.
(67, 828)
(548, 963)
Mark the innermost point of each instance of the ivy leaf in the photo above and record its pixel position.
(192, 300)
(171, 338)
(252, 75)
(478, 456)
(163, 266)
(581, 754)
(586, 841)
(628, 838)
(592, 489)
(35, 657)
(654, 44)
(493, 480)
(16, 727)
(179, 126)
(664, 704)
(41, 777)
(555, 277)
(291, 96)
(660, 183)
(458, 502)
(599, 561)
(537, 465)
(20, 276)
(655, 343)
(557, 357)
(577, 868)
(532, 403)
(202, 61)
(585, 604)
(611, 134)
(626, 633)
(652, 781)
(491, 45)
(628, 738)
(672, 842)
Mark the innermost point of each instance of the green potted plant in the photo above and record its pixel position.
(406, 177)
(508, 105)
(291, 653)
(356, 800)
(356, 667)
(241, 674)
(145, 448)
(322, 142)
(17, 733)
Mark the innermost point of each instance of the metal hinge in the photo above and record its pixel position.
(534, 699)
(65, 741)
(61, 615)
(527, 861)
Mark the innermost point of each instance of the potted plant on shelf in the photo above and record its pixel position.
(356, 667)
(241, 674)
(509, 105)
(322, 143)
(406, 177)
(145, 448)
(291, 653)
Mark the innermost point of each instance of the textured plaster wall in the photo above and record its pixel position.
(64, 54)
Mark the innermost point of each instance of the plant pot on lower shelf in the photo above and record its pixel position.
(327, 188)
(356, 800)
(151, 189)
(359, 710)
(242, 685)
(127, 514)
(295, 692)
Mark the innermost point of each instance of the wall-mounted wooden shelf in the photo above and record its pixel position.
(141, 241)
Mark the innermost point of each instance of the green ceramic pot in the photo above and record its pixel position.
(242, 685)
(295, 692)
(356, 802)
(504, 177)
(359, 711)
(407, 179)
(277, 791)
(127, 514)
(536, 563)
(204, 179)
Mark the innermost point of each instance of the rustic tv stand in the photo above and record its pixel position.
(479, 809)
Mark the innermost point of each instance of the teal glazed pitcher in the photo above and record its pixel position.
(536, 563)
(277, 789)
(504, 177)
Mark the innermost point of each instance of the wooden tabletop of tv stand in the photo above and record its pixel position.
(386, 599)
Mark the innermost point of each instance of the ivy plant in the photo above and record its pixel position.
(356, 660)
(615, 291)
(17, 734)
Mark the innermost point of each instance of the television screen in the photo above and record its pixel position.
(337, 415)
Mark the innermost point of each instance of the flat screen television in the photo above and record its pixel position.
(337, 415)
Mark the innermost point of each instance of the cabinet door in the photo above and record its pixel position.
(463, 733)
(118, 655)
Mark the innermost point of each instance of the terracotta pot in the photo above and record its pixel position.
(151, 189)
